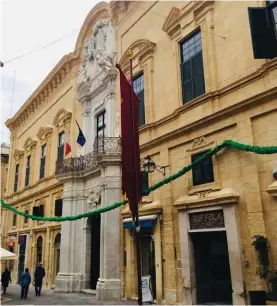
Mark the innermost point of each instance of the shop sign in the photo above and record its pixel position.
(206, 219)
(146, 289)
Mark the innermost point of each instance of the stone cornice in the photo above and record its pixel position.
(53, 80)
(62, 117)
(207, 198)
(154, 207)
(29, 143)
(264, 69)
(141, 48)
(18, 153)
(9, 198)
(44, 132)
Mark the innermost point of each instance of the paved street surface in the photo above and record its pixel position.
(48, 297)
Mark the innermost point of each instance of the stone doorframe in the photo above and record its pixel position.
(232, 233)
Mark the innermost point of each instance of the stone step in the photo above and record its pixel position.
(89, 291)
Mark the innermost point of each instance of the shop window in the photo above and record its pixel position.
(61, 146)
(138, 85)
(263, 28)
(59, 208)
(202, 173)
(192, 70)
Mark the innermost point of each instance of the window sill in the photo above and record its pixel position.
(214, 186)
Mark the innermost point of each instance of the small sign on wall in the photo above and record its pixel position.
(146, 289)
(207, 219)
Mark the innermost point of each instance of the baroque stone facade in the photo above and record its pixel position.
(91, 252)
(238, 101)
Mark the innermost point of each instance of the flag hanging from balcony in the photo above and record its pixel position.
(131, 178)
(81, 140)
(67, 146)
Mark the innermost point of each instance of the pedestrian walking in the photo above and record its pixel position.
(25, 281)
(39, 275)
(5, 279)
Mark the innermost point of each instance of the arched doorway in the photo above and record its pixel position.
(57, 247)
(94, 223)
(39, 249)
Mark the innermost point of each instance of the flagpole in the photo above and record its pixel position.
(137, 226)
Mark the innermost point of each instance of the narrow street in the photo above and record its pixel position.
(48, 297)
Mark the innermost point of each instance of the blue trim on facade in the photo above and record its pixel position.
(143, 223)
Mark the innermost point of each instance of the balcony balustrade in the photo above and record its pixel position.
(102, 146)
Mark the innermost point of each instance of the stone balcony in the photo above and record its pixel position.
(103, 147)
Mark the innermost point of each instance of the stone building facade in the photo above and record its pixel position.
(39, 131)
(44, 181)
(90, 247)
(199, 84)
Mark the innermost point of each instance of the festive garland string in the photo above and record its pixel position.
(225, 144)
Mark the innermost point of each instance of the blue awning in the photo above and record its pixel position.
(145, 221)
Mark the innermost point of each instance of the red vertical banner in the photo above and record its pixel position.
(131, 178)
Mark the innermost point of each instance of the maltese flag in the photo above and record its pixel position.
(67, 147)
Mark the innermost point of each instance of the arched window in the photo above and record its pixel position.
(39, 249)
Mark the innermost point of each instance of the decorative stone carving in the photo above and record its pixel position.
(199, 142)
(93, 198)
(99, 53)
(203, 194)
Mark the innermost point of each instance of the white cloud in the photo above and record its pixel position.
(26, 26)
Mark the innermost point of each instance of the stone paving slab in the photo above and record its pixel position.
(48, 297)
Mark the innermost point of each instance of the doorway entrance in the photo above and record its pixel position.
(22, 241)
(212, 268)
(95, 224)
(148, 256)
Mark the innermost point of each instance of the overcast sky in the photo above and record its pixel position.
(27, 25)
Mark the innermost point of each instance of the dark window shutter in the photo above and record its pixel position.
(42, 167)
(60, 152)
(144, 180)
(58, 208)
(36, 211)
(141, 108)
(41, 210)
(202, 173)
(208, 170)
(262, 33)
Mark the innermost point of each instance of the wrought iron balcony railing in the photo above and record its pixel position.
(102, 146)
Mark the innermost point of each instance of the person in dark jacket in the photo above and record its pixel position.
(5, 279)
(25, 281)
(39, 275)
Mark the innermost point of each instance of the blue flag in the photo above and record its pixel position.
(81, 140)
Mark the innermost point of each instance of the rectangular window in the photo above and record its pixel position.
(138, 84)
(25, 218)
(14, 219)
(27, 174)
(144, 180)
(101, 124)
(42, 161)
(61, 146)
(38, 211)
(192, 71)
(15, 186)
(203, 172)
(59, 208)
(263, 28)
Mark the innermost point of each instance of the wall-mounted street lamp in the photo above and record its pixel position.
(149, 166)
